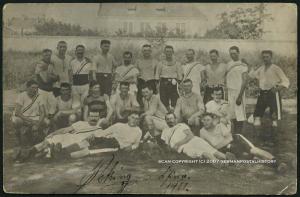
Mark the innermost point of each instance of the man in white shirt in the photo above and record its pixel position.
(271, 79)
(236, 81)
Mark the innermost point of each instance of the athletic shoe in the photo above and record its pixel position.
(250, 119)
(274, 123)
(257, 122)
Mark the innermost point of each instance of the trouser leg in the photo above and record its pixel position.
(163, 91)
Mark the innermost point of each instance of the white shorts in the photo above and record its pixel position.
(237, 112)
(196, 147)
(81, 91)
(49, 100)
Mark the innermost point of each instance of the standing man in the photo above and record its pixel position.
(147, 68)
(271, 80)
(81, 68)
(193, 70)
(169, 73)
(104, 64)
(214, 76)
(236, 81)
(61, 63)
(46, 77)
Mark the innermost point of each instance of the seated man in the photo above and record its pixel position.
(179, 137)
(29, 116)
(76, 140)
(123, 102)
(219, 136)
(154, 111)
(68, 108)
(189, 106)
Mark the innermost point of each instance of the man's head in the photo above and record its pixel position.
(234, 52)
(32, 88)
(61, 47)
(47, 55)
(171, 119)
(267, 56)
(208, 120)
(94, 88)
(147, 91)
(124, 88)
(146, 50)
(65, 89)
(79, 51)
(127, 58)
(169, 51)
(93, 118)
(105, 46)
(217, 94)
(187, 86)
(214, 55)
(133, 118)
(190, 55)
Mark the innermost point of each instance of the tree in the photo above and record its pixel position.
(241, 24)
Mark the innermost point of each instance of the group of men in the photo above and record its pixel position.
(194, 109)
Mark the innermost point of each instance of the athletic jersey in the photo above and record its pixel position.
(175, 134)
(215, 76)
(72, 103)
(43, 71)
(219, 109)
(30, 107)
(147, 68)
(126, 135)
(62, 67)
(167, 69)
(84, 126)
(271, 77)
(97, 104)
(193, 71)
(234, 71)
(220, 133)
(126, 73)
(81, 67)
(155, 107)
(104, 63)
(186, 106)
(120, 105)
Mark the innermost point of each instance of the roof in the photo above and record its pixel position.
(150, 10)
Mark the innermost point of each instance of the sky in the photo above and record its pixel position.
(84, 14)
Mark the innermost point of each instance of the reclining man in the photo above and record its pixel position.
(29, 118)
(81, 136)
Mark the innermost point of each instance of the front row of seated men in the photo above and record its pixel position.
(214, 141)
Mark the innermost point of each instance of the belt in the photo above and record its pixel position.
(80, 79)
(265, 91)
(104, 74)
(168, 79)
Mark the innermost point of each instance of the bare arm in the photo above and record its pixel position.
(243, 87)
(19, 114)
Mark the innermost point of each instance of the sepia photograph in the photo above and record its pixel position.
(149, 98)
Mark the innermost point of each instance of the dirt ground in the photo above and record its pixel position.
(130, 173)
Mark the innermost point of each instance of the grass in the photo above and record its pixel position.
(19, 66)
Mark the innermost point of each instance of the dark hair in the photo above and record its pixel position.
(124, 83)
(127, 53)
(267, 52)
(214, 51)
(217, 88)
(104, 42)
(192, 51)
(187, 81)
(93, 83)
(61, 42)
(65, 85)
(235, 48)
(169, 47)
(147, 45)
(31, 82)
(170, 113)
(207, 114)
(79, 46)
(47, 50)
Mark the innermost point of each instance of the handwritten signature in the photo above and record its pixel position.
(105, 173)
(174, 181)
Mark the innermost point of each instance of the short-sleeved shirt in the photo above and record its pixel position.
(119, 104)
(97, 104)
(43, 70)
(81, 67)
(84, 126)
(147, 68)
(186, 106)
(167, 69)
(215, 76)
(104, 63)
(175, 134)
(235, 70)
(193, 71)
(216, 136)
(271, 77)
(72, 103)
(220, 109)
(155, 105)
(62, 67)
(126, 135)
(127, 73)
(32, 110)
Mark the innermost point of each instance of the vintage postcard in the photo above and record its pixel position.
(149, 98)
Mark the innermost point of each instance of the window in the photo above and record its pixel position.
(125, 27)
(180, 28)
